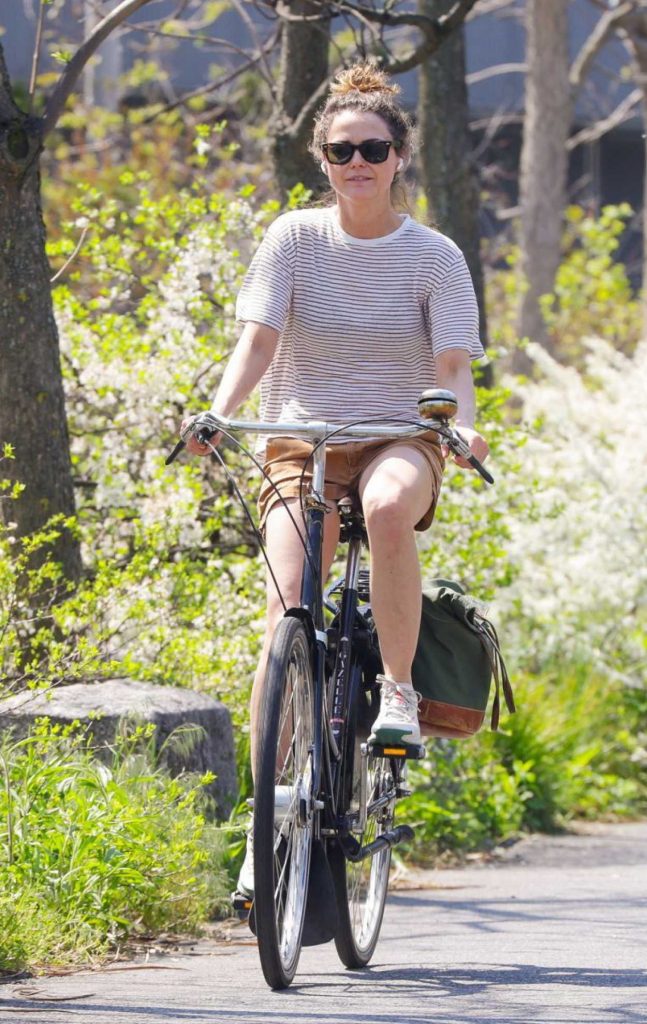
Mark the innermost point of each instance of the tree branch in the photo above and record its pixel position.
(621, 113)
(36, 55)
(498, 69)
(490, 7)
(598, 37)
(230, 76)
(441, 26)
(70, 76)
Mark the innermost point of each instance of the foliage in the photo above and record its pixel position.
(579, 595)
(469, 539)
(593, 295)
(556, 549)
(463, 799)
(96, 853)
(144, 334)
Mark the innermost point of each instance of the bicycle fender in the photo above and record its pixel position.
(305, 617)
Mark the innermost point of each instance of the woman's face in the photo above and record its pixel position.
(358, 179)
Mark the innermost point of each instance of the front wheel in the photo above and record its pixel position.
(283, 803)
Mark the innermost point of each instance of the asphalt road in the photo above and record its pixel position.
(555, 931)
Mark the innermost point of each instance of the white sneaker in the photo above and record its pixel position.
(282, 802)
(397, 721)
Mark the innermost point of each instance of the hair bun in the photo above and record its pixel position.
(366, 77)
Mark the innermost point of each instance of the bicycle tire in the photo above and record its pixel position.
(283, 837)
(361, 887)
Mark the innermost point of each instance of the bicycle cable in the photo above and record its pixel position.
(257, 533)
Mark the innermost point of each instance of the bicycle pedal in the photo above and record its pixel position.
(241, 904)
(408, 751)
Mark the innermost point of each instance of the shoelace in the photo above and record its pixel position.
(400, 701)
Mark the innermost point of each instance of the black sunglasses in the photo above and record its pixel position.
(374, 151)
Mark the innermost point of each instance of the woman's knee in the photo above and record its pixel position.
(396, 491)
(387, 513)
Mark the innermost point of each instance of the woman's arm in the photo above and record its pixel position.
(247, 364)
(454, 372)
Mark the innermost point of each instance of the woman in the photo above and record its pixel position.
(351, 310)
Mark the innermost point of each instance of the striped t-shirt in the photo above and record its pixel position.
(360, 320)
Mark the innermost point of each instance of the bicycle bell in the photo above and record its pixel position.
(437, 404)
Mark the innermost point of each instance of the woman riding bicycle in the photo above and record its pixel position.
(351, 310)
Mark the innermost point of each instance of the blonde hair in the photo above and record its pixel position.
(367, 77)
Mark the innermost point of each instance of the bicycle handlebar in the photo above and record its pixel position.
(204, 426)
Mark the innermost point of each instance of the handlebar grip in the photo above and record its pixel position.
(480, 468)
(203, 435)
(174, 454)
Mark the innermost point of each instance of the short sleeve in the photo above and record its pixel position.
(453, 312)
(267, 289)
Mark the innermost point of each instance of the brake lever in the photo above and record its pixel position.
(458, 446)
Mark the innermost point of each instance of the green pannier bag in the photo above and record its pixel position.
(458, 653)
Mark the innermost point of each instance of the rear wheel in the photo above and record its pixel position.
(361, 887)
(283, 804)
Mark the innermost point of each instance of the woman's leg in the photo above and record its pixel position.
(285, 552)
(396, 491)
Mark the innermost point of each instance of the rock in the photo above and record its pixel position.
(102, 707)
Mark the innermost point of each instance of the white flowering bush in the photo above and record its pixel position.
(145, 325)
(579, 590)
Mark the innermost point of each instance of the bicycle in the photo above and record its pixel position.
(324, 794)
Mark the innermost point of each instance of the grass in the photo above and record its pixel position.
(94, 854)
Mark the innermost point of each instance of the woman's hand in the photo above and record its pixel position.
(193, 445)
(477, 445)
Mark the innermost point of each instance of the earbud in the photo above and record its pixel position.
(400, 165)
(323, 167)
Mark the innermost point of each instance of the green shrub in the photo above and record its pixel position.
(464, 799)
(592, 295)
(573, 749)
(93, 853)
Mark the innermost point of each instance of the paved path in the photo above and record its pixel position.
(556, 932)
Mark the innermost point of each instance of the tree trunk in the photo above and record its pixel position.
(303, 67)
(448, 170)
(544, 158)
(32, 409)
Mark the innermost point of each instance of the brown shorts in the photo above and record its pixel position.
(345, 464)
